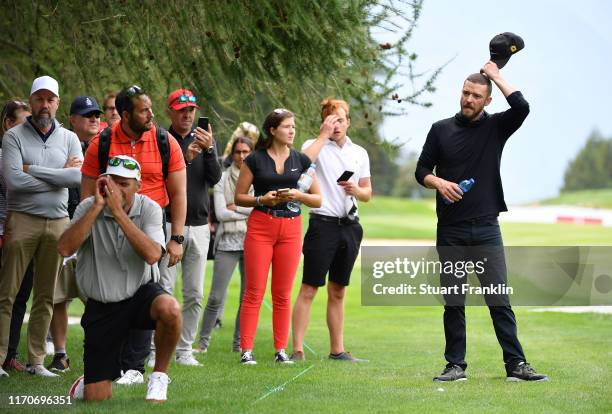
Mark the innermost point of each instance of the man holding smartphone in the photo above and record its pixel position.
(203, 172)
(331, 244)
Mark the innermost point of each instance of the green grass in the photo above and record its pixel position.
(395, 218)
(405, 347)
(586, 198)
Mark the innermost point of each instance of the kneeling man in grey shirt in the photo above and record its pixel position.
(119, 238)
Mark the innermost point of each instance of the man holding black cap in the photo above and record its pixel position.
(119, 238)
(85, 122)
(470, 145)
(40, 161)
(203, 172)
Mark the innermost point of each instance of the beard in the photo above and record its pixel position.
(471, 113)
(136, 127)
(42, 122)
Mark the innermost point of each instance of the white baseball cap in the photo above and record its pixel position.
(45, 82)
(123, 166)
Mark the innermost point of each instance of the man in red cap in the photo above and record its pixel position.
(203, 172)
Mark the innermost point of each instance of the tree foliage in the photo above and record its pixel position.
(406, 184)
(592, 167)
(242, 58)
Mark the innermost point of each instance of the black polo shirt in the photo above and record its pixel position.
(265, 177)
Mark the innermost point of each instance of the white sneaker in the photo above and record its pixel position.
(157, 387)
(187, 359)
(151, 361)
(77, 391)
(131, 377)
(40, 370)
(49, 348)
(3, 373)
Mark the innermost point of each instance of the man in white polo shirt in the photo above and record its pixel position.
(334, 234)
(119, 237)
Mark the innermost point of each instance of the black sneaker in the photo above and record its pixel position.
(282, 358)
(346, 356)
(218, 324)
(60, 363)
(452, 373)
(525, 372)
(247, 358)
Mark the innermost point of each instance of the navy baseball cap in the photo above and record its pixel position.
(83, 105)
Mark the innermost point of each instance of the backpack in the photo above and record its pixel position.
(163, 145)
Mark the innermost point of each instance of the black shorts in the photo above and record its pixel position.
(106, 327)
(330, 247)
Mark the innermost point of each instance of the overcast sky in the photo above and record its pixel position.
(565, 72)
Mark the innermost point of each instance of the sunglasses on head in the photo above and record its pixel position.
(127, 164)
(185, 98)
(133, 91)
(280, 110)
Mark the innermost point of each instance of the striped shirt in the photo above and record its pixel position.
(145, 151)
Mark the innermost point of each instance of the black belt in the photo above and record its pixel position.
(341, 221)
(278, 213)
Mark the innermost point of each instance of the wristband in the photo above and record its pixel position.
(258, 201)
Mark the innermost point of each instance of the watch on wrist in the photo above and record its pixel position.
(179, 238)
(210, 149)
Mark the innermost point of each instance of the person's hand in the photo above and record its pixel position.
(350, 187)
(232, 207)
(269, 199)
(113, 197)
(490, 69)
(193, 150)
(174, 251)
(449, 190)
(26, 168)
(204, 138)
(73, 162)
(327, 126)
(101, 191)
(290, 195)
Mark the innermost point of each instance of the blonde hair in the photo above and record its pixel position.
(244, 130)
(329, 106)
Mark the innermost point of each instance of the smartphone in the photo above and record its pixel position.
(280, 191)
(203, 123)
(345, 176)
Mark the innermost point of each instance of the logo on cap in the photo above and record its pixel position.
(88, 102)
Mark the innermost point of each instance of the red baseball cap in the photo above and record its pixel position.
(182, 98)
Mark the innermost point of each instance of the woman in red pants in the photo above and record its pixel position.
(274, 232)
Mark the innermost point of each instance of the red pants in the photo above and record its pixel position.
(276, 241)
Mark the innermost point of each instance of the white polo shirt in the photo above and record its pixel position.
(333, 160)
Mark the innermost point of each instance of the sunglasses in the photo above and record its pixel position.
(91, 114)
(280, 110)
(127, 164)
(134, 91)
(185, 98)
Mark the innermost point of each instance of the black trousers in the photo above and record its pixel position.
(137, 346)
(19, 310)
(467, 237)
